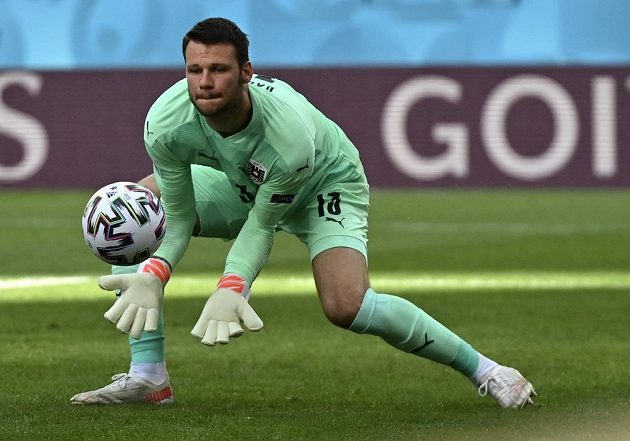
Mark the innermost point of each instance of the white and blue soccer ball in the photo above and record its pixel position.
(123, 223)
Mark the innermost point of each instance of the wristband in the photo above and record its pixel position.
(234, 282)
(158, 267)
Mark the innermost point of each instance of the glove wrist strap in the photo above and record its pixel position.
(234, 282)
(158, 267)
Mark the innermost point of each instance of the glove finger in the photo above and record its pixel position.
(210, 336)
(114, 313)
(223, 333)
(151, 322)
(251, 319)
(200, 327)
(126, 320)
(235, 329)
(114, 281)
(138, 323)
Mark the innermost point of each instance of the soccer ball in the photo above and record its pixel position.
(123, 223)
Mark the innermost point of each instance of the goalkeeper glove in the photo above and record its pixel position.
(138, 307)
(223, 312)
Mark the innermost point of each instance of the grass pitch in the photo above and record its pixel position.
(537, 280)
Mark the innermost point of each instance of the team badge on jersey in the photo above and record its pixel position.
(256, 172)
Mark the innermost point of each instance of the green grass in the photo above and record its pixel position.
(412, 231)
(534, 279)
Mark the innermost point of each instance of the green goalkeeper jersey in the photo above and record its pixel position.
(288, 150)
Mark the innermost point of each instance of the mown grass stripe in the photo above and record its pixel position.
(272, 284)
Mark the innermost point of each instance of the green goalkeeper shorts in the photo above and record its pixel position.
(336, 216)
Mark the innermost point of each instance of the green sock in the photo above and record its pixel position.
(150, 347)
(408, 328)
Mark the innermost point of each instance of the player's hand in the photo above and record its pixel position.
(223, 312)
(138, 307)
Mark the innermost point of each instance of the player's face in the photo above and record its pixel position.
(215, 79)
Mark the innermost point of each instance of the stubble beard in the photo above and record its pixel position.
(212, 113)
(221, 112)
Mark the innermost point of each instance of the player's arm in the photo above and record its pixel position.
(227, 306)
(174, 180)
(253, 244)
(138, 307)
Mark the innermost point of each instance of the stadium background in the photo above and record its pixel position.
(461, 93)
(495, 136)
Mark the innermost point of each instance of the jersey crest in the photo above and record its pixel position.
(256, 172)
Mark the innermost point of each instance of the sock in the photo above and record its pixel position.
(153, 372)
(150, 347)
(408, 328)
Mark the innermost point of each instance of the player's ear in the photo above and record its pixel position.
(247, 71)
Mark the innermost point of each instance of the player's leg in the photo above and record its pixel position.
(220, 214)
(147, 352)
(339, 259)
(349, 302)
(147, 379)
(337, 245)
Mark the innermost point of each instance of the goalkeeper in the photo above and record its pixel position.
(240, 156)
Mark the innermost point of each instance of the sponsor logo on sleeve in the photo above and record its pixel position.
(282, 198)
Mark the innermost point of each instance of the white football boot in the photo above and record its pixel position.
(508, 387)
(127, 388)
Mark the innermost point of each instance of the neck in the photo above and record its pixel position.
(233, 119)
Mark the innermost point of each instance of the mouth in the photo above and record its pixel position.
(208, 97)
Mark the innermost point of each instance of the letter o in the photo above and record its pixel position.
(493, 127)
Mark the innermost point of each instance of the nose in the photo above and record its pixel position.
(207, 82)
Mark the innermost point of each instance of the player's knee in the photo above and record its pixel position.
(342, 306)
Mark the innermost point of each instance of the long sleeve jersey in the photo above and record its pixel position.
(288, 150)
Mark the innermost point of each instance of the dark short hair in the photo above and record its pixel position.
(219, 30)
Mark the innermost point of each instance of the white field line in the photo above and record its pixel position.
(425, 282)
